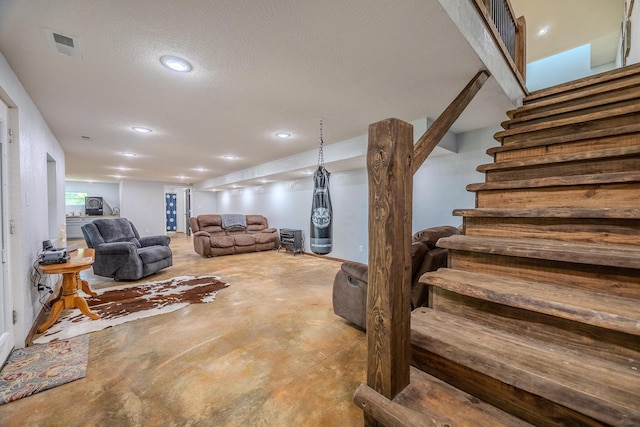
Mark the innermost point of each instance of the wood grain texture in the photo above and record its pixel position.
(389, 159)
(608, 394)
(605, 311)
(585, 96)
(576, 85)
(554, 250)
(427, 142)
(428, 401)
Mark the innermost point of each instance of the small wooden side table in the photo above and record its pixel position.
(71, 282)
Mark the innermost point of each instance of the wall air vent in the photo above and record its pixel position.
(63, 43)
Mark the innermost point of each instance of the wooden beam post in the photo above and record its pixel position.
(442, 124)
(521, 47)
(388, 293)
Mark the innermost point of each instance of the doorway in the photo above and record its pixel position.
(7, 333)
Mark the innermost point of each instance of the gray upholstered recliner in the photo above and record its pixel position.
(350, 283)
(120, 251)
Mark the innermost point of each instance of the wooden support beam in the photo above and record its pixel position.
(388, 294)
(521, 47)
(442, 124)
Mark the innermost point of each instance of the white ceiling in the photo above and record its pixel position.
(570, 24)
(259, 67)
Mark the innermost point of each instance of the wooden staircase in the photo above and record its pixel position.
(537, 319)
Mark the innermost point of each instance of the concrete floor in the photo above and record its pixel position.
(269, 351)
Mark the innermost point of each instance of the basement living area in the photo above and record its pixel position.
(275, 213)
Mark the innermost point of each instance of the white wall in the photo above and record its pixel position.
(439, 188)
(109, 191)
(634, 51)
(28, 199)
(143, 203)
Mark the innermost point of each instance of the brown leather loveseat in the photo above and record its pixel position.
(215, 235)
(350, 283)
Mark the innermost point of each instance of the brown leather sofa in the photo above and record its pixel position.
(213, 237)
(350, 283)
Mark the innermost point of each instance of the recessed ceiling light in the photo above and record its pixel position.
(283, 135)
(128, 154)
(230, 157)
(176, 64)
(542, 31)
(141, 129)
(199, 169)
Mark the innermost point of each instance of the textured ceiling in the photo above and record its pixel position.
(259, 67)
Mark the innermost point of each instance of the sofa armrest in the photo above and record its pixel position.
(154, 241)
(117, 248)
(356, 270)
(201, 233)
(269, 230)
(430, 236)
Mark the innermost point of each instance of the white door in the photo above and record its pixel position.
(7, 336)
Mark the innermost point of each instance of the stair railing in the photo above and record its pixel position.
(392, 160)
(508, 31)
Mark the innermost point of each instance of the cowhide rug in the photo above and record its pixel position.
(120, 304)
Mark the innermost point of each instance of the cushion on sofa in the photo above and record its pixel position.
(210, 223)
(256, 223)
(244, 239)
(222, 242)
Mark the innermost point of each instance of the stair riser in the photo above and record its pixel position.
(572, 147)
(599, 231)
(605, 94)
(590, 167)
(576, 110)
(584, 196)
(614, 77)
(607, 280)
(524, 405)
(550, 132)
(617, 347)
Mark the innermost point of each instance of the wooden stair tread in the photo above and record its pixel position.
(612, 92)
(623, 256)
(608, 153)
(602, 102)
(567, 121)
(559, 181)
(428, 401)
(576, 85)
(598, 388)
(605, 311)
(602, 213)
(571, 137)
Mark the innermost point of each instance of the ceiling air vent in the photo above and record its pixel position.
(64, 44)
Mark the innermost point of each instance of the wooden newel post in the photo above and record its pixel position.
(388, 302)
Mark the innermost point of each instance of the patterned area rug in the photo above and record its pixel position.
(120, 304)
(41, 367)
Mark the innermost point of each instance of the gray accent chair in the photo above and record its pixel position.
(121, 253)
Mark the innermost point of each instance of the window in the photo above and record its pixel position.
(72, 198)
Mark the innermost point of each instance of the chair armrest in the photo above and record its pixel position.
(155, 241)
(356, 270)
(117, 248)
(430, 236)
(201, 233)
(269, 230)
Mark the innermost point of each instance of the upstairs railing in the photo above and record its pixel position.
(508, 31)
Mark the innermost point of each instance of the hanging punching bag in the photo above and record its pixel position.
(321, 234)
(321, 240)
